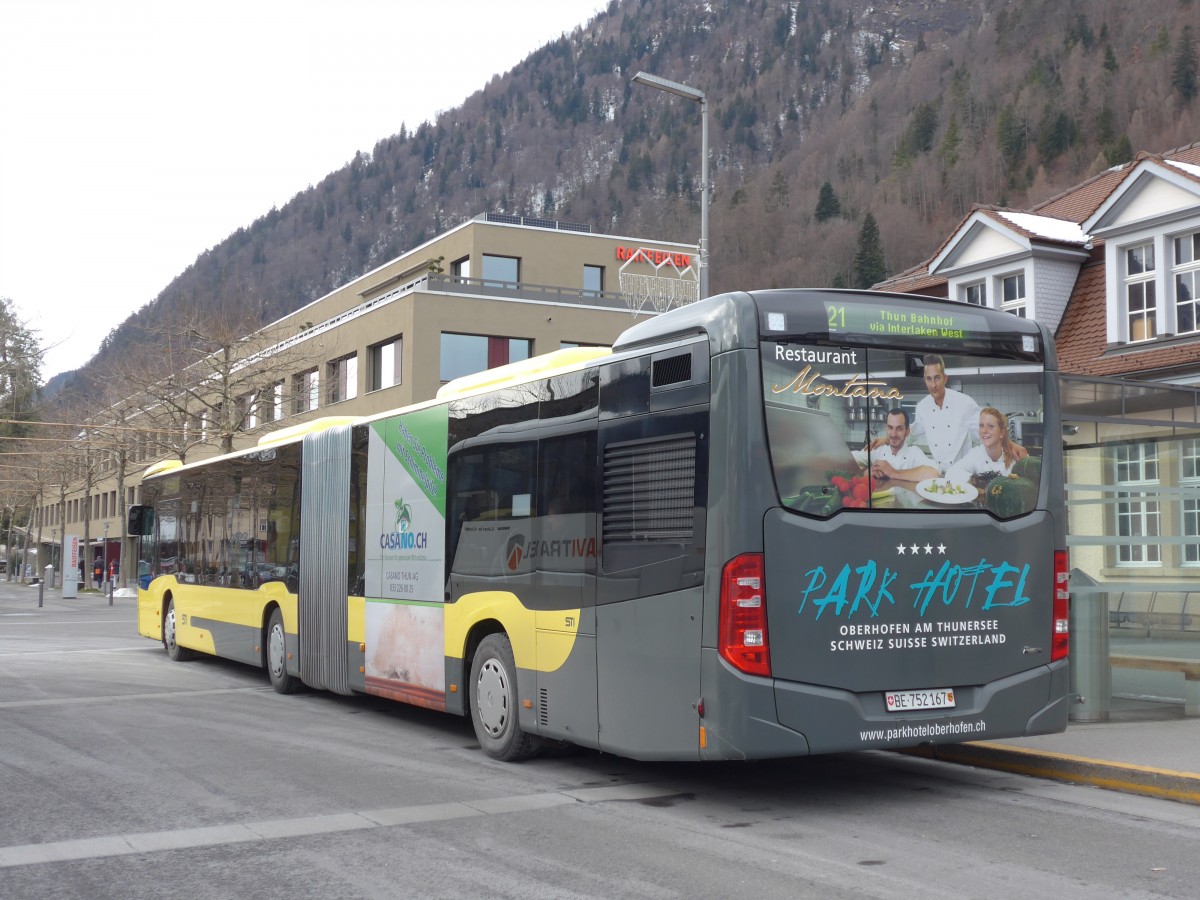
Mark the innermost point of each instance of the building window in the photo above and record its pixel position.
(1187, 283)
(593, 279)
(249, 410)
(271, 405)
(975, 294)
(466, 354)
(193, 430)
(501, 271)
(1139, 291)
(1189, 480)
(385, 360)
(306, 391)
(1137, 516)
(1012, 290)
(342, 375)
(461, 268)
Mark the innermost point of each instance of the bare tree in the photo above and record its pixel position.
(212, 378)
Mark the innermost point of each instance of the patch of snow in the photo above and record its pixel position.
(1047, 227)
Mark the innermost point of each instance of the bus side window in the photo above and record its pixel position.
(465, 495)
(492, 484)
(567, 475)
(511, 469)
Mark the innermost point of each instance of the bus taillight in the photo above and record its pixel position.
(1060, 640)
(743, 628)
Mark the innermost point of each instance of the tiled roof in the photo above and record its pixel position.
(1083, 332)
(1082, 335)
(1079, 202)
(1035, 227)
(916, 280)
(1137, 361)
(1075, 204)
(1082, 338)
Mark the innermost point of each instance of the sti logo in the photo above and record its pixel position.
(515, 552)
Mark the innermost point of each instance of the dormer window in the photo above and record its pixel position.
(1139, 291)
(975, 294)
(1012, 291)
(1186, 269)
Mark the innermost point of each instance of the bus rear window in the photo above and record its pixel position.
(864, 428)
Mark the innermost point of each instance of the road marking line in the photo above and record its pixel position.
(42, 620)
(94, 650)
(160, 695)
(301, 826)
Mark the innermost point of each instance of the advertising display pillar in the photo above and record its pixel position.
(70, 566)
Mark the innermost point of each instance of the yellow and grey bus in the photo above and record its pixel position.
(766, 524)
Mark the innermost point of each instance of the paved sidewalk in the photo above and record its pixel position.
(1156, 758)
(17, 597)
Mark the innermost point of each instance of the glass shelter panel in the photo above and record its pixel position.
(1133, 502)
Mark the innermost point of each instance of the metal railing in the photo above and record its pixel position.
(523, 290)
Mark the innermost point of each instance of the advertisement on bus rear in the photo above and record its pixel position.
(933, 590)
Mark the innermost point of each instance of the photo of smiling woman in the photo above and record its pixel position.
(996, 452)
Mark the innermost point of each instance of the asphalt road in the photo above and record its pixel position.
(125, 775)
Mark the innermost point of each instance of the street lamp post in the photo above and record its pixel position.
(104, 571)
(690, 93)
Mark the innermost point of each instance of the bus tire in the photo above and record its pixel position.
(277, 656)
(494, 702)
(174, 651)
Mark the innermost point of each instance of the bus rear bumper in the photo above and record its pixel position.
(740, 719)
(1026, 703)
(755, 718)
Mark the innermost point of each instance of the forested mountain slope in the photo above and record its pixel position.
(909, 111)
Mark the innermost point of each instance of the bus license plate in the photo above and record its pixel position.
(902, 701)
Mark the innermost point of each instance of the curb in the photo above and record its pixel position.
(1164, 784)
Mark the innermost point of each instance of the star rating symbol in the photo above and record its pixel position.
(915, 549)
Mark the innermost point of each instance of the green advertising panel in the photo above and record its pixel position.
(406, 554)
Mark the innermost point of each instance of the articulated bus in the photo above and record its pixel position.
(765, 524)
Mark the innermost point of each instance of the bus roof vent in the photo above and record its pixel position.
(672, 369)
(650, 490)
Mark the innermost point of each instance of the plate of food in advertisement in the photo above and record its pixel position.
(942, 490)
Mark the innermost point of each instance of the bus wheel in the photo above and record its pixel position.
(277, 656)
(177, 653)
(494, 702)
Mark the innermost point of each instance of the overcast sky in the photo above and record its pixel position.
(134, 135)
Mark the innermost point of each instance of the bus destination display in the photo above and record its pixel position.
(903, 321)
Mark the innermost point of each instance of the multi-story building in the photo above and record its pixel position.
(494, 290)
(1112, 267)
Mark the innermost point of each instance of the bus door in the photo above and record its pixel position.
(562, 553)
(650, 584)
